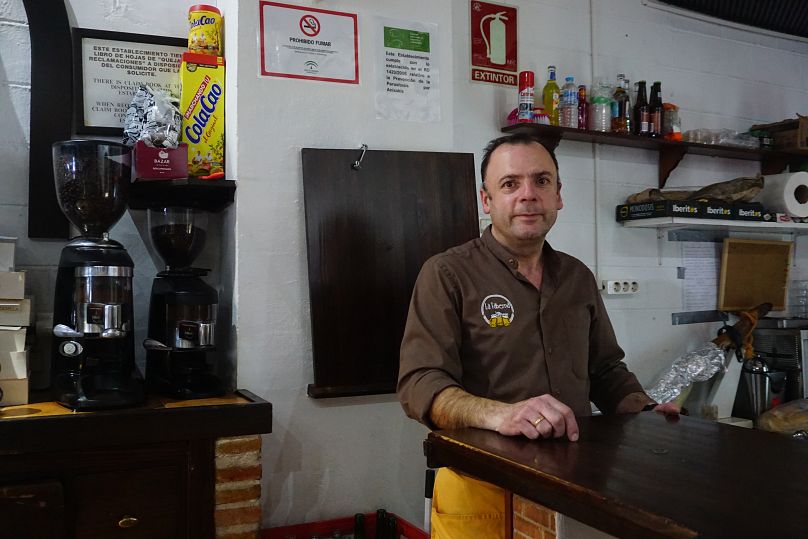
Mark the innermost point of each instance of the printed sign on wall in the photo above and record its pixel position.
(308, 43)
(493, 43)
(408, 87)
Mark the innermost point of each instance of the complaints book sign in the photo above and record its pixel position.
(109, 68)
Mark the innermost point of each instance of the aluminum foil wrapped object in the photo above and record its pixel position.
(696, 366)
(154, 117)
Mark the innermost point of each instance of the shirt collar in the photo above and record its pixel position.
(549, 256)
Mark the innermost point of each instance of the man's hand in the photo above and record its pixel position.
(668, 408)
(538, 417)
(543, 416)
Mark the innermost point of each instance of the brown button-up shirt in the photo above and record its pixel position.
(477, 323)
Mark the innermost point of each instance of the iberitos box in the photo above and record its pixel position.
(660, 208)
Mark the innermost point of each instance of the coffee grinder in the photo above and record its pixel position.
(93, 360)
(182, 310)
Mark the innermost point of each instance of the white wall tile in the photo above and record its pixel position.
(13, 11)
(15, 63)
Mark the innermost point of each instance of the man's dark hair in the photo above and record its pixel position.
(515, 139)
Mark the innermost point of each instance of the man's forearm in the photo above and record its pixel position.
(454, 408)
(633, 402)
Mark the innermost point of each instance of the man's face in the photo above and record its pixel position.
(523, 195)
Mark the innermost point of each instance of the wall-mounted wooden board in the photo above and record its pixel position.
(368, 232)
(753, 272)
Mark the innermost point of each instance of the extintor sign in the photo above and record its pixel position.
(493, 43)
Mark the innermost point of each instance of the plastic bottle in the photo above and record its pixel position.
(642, 123)
(621, 106)
(550, 96)
(568, 106)
(583, 106)
(600, 111)
(525, 113)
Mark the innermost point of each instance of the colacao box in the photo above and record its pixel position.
(15, 312)
(14, 365)
(12, 284)
(661, 208)
(202, 109)
(12, 338)
(160, 163)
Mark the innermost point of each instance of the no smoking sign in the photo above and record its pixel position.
(309, 25)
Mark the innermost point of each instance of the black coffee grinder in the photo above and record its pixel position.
(182, 311)
(93, 359)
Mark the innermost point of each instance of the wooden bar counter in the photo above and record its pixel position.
(643, 475)
(140, 472)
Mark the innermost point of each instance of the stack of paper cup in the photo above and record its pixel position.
(786, 193)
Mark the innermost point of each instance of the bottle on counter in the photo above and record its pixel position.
(525, 111)
(621, 106)
(655, 110)
(583, 108)
(568, 106)
(641, 112)
(551, 95)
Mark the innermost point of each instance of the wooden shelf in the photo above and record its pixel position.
(670, 152)
(718, 224)
(209, 195)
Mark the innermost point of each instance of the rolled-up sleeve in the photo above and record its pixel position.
(430, 349)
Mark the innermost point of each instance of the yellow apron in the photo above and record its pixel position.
(464, 507)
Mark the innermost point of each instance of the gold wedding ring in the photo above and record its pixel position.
(537, 421)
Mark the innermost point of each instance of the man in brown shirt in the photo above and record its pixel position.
(505, 333)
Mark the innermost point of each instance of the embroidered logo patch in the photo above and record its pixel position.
(497, 310)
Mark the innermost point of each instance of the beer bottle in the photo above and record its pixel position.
(655, 110)
(359, 526)
(381, 524)
(620, 105)
(641, 112)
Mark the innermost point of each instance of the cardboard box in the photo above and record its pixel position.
(662, 208)
(748, 212)
(12, 284)
(789, 134)
(14, 392)
(202, 109)
(716, 210)
(12, 338)
(7, 247)
(14, 365)
(160, 163)
(15, 312)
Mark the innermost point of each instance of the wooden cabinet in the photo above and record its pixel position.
(140, 473)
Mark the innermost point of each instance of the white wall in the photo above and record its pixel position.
(335, 457)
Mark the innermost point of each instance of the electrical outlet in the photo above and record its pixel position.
(621, 286)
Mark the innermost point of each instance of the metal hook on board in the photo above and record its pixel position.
(358, 163)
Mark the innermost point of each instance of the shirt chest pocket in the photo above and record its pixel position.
(576, 325)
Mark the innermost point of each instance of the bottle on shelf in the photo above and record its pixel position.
(381, 524)
(568, 106)
(641, 112)
(359, 526)
(583, 108)
(600, 108)
(551, 95)
(621, 106)
(655, 110)
(525, 111)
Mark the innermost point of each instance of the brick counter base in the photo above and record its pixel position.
(532, 521)
(238, 487)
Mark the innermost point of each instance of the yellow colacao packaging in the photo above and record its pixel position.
(205, 32)
(202, 108)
